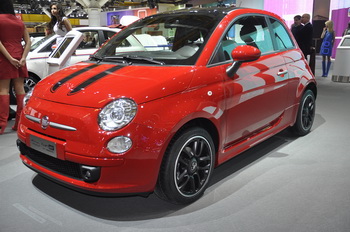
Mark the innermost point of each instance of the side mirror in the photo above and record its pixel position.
(242, 53)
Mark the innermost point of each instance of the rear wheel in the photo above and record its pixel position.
(30, 82)
(187, 167)
(306, 114)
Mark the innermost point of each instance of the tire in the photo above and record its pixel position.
(29, 83)
(306, 114)
(187, 167)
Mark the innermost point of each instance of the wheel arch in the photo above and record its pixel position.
(165, 189)
(32, 74)
(204, 123)
(312, 87)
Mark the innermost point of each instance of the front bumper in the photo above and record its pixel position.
(82, 162)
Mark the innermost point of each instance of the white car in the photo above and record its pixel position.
(37, 58)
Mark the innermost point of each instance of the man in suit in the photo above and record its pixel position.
(296, 28)
(306, 34)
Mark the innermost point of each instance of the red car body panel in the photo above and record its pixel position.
(168, 97)
(145, 86)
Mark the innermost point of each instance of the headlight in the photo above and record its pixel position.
(27, 96)
(117, 114)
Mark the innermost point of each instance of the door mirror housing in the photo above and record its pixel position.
(242, 53)
(245, 53)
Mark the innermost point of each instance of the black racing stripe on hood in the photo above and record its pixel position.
(94, 79)
(71, 76)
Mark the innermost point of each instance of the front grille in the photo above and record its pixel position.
(62, 167)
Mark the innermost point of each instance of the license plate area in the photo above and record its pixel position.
(44, 146)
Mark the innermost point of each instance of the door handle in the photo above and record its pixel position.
(282, 73)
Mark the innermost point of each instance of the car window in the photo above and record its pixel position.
(107, 35)
(41, 41)
(283, 40)
(178, 39)
(90, 40)
(248, 30)
(49, 47)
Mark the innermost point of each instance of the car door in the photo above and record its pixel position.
(38, 55)
(92, 40)
(255, 95)
(292, 57)
(87, 47)
(61, 54)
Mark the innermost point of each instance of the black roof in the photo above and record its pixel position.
(216, 12)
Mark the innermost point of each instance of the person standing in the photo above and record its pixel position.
(296, 27)
(328, 36)
(59, 23)
(306, 34)
(12, 61)
(347, 30)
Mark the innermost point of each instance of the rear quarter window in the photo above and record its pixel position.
(282, 38)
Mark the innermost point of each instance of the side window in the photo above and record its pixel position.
(90, 40)
(248, 30)
(48, 47)
(108, 35)
(283, 40)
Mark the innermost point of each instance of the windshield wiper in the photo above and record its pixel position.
(126, 59)
(97, 58)
(108, 59)
(130, 59)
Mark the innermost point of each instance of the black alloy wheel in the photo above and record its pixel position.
(30, 82)
(187, 167)
(306, 114)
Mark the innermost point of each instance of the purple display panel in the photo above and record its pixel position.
(340, 18)
(114, 17)
(287, 9)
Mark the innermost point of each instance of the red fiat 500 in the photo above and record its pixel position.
(165, 101)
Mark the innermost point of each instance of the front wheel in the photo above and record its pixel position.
(187, 167)
(306, 114)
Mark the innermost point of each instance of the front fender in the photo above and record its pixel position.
(173, 112)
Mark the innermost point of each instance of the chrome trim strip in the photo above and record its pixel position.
(51, 124)
(62, 127)
(31, 118)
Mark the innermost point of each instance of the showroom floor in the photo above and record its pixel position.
(285, 184)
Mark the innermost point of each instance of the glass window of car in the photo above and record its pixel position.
(283, 40)
(42, 41)
(63, 46)
(90, 40)
(49, 47)
(247, 30)
(176, 39)
(107, 35)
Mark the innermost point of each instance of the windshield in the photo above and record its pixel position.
(38, 43)
(161, 39)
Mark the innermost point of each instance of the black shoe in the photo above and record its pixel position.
(12, 114)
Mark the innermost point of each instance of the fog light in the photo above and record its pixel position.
(89, 173)
(119, 144)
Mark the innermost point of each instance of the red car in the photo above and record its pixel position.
(165, 101)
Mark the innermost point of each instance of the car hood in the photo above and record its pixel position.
(95, 85)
